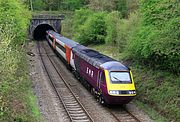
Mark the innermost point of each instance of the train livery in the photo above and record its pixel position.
(109, 80)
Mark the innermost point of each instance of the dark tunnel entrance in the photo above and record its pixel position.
(40, 31)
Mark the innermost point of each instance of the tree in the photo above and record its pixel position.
(121, 6)
(157, 42)
(73, 4)
(101, 5)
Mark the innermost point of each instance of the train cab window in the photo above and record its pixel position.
(120, 77)
(61, 47)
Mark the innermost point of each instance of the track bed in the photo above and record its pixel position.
(76, 103)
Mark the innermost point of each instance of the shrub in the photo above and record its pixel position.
(112, 21)
(72, 4)
(126, 29)
(14, 14)
(14, 84)
(80, 18)
(93, 31)
(157, 42)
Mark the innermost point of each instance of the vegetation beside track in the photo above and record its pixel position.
(157, 90)
(146, 40)
(17, 102)
(142, 33)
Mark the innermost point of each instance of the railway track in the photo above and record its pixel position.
(74, 109)
(123, 115)
(72, 106)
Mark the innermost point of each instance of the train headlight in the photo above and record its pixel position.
(114, 92)
(132, 92)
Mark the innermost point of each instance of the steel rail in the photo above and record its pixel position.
(134, 117)
(66, 84)
(59, 96)
(125, 110)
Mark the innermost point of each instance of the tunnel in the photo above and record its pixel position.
(40, 31)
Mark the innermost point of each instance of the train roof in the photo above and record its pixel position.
(63, 39)
(97, 59)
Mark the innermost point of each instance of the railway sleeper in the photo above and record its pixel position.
(78, 114)
(70, 107)
(79, 117)
(81, 120)
(74, 109)
(74, 112)
(72, 104)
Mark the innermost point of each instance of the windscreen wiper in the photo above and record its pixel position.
(117, 79)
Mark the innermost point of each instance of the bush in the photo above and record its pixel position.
(93, 31)
(126, 28)
(72, 4)
(14, 14)
(15, 104)
(77, 22)
(157, 42)
(39, 5)
(112, 21)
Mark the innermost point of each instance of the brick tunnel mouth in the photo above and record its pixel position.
(40, 31)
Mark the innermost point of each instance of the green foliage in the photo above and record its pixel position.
(157, 42)
(80, 17)
(73, 4)
(101, 5)
(126, 28)
(149, 36)
(121, 6)
(54, 5)
(112, 20)
(14, 14)
(39, 5)
(159, 90)
(92, 29)
(14, 83)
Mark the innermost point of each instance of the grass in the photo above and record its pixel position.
(157, 91)
(17, 101)
(150, 111)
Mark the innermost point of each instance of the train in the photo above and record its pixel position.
(108, 80)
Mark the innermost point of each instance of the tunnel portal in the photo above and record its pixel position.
(41, 23)
(40, 31)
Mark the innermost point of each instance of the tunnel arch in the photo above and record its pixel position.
(40, 31)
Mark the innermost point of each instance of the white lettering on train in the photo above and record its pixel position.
(89, 72)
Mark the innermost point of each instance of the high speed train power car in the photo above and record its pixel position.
(109, 80)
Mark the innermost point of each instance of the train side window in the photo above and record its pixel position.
(61, 47)
(102, 77)
(51, 38)
(73, 57)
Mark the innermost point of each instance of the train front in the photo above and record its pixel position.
(120, 85)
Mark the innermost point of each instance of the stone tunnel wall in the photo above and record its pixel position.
(51, 21)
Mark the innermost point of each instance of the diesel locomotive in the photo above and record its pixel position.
(109, 80)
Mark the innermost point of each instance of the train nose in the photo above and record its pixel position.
(119, 100)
